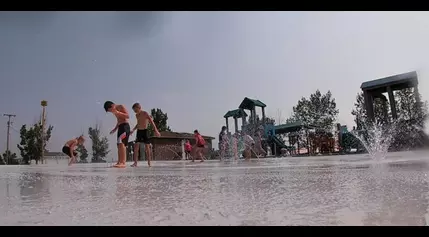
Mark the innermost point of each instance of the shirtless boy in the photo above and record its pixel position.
(123, 128)
(70, 148)
(143, 118)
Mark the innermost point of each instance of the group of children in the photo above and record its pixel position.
(238, 140)
(124, 132)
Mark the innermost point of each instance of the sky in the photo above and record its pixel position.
(195, 65)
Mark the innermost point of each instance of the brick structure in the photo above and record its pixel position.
(169, 145)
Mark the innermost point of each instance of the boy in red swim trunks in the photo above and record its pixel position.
(200, 144)
(123, 128)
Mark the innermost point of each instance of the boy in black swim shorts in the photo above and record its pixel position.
(123, 128)
(142, 136)
(70, 148)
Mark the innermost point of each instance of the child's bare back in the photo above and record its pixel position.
(142, 120)
(120, 119)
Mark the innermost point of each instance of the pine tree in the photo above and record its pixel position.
(83, 153)
(100, 144)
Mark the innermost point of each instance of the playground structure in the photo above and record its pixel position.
(254, 124)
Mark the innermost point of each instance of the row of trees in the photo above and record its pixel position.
(8, 158)
(32, 139)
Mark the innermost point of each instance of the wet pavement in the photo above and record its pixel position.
(336, 190)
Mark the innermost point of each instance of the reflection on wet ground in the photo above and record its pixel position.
(337, 190)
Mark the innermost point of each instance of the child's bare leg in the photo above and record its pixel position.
(122, 152)
(193, 157)
(249, 153)
(148, 154)
(136, 153)
(73, 160)
(119, 155)
(201, 155)
(119, 160)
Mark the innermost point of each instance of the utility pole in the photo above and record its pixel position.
(9, 123)
(43, 103)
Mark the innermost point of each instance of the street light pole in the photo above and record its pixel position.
(43, 103)
(9, 123)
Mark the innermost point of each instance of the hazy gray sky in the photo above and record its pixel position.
(195, 65)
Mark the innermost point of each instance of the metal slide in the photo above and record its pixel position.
(278, 142)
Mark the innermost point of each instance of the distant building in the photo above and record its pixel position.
(170, 145)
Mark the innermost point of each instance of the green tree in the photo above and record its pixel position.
(2, 162)
(360, 113)
(319, 110)
(411, 118)
(100, 144)
(31, 143)
(160, 120)
(83, 153)
(9, 158)
(409, 108)
(291, 119)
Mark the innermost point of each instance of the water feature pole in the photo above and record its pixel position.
(243, 121)
(392, 102)
(369, 104)
(183, 150)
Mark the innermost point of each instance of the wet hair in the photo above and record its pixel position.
(196, 131)
(136, 105)
(107, 105)
(223, 128)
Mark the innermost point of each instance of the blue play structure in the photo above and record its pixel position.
(270, 130)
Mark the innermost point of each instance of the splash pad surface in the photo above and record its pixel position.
(335, 190)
